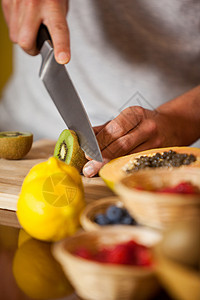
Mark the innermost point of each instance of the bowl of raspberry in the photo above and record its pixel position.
(114, 263)
(159, 198)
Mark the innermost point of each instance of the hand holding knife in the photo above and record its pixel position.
(60, 88)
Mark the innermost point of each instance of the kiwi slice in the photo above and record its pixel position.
(14, 144)
(68, 149)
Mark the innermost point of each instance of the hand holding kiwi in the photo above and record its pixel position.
(14, 144)
(67, 149)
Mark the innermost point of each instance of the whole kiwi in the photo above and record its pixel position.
(68, 149)
(15, 144)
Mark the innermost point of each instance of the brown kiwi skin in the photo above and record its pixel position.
(79, 160)
(15, 147)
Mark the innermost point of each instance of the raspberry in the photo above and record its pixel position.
(119, 255)
(131, 245)
(129, 253)
(101, 256)
(181, 188)
(143, 257)
(84, 253)
(185, 188)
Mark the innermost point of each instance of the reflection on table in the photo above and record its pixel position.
(28, 269)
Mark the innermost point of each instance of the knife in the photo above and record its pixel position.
(60, 88)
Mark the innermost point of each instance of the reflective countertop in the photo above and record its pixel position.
(28, 269)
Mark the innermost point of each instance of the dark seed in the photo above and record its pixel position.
(192, 158)
(165, 159)
(186, 162)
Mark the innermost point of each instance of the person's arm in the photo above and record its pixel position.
(175, 123)
(24, 17)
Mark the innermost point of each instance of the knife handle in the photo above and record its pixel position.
(43, 35)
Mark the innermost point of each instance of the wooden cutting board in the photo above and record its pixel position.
(13, 172)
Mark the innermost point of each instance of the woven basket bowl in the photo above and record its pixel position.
(99, 281)
(181, 282)
(99, 206)
(159, 210)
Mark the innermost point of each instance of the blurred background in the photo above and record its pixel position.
(5, 53)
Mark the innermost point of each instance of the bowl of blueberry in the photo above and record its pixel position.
(105, 212)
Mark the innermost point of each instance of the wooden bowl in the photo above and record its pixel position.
(99, 281)
(181, 282)
(159, 210)
(88, 215)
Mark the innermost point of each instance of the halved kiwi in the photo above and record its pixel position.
(68, 149)
(15, 144)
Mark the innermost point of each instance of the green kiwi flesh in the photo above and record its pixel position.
(68, 149)
(14, 144)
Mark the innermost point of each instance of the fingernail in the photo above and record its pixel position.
(63, 57)
(88, 170)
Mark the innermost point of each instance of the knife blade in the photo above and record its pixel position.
(65, 97)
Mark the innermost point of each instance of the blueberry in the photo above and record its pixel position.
(128, 220)
(114, 213)
(101, 219)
